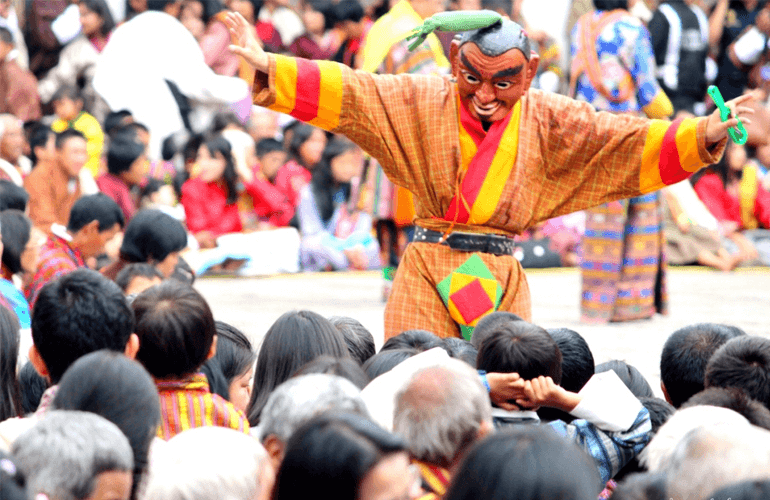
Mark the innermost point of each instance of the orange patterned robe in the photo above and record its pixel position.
(558, 156)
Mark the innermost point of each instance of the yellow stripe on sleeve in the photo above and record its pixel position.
(330, 96)
(687, 145)
(285, 84)
(649, 174)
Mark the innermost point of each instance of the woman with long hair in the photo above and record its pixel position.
(335, 233)
(10, 393)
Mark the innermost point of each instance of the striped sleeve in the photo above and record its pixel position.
(310, 91)
(673, 151)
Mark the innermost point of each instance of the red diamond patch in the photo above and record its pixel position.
(472, 301)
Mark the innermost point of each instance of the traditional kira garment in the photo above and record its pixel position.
(566, 157)
(57, 258)
(187, 404)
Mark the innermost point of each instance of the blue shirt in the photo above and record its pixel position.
(19, 304)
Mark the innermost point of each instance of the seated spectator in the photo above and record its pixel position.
(115, 121)
(707, 459)
(629, 375)
(211, 212)
(21, 243)
(126, 161)
(336, 235)
(18, 92)
(493, 469)
(94, 220)
(345, 456)
(12, 481)
(421, 340)
(177, 334)
(98, 467)
(191, 17)
(136, 278)
(731, 191)
(42, 145)
(152, 237)
(577, 367)
(120, 390)
(606, 411)
(263, 123)
(305, 148)
(235, 358)
(161, 196)
(734, 399)
(10, 392)
(684, 358)
(441, 412)
(33, 386)
(300, 399)
(341, 367)
(14, 166)
(295, 339)
(216, 39)
(359, 340)
(352, 22)
(692, 232)
(742, 362)
(386, 360)
(320, 40)
(461, 349)
(54, 184)
(489, 324)
(211, 464)
(12, 197)
(68, 107)
(274, 207)
(77, 62)
(283, 19)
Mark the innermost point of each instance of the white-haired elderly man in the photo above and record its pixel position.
(210, 463)
(71, 455)
(444, 409)
(298, 400)
(13, 164)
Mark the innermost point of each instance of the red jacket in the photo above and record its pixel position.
(206, 208)
(290, 180)
(726, 207)
(270, 203)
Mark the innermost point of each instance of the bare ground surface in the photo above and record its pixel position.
(741, 298)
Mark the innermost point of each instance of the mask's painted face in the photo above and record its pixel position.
(489, 87)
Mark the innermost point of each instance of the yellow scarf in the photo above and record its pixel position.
(748, 194)
(392, 28)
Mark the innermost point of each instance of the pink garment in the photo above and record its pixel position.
(214, 45)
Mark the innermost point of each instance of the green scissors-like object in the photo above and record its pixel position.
(738, 133)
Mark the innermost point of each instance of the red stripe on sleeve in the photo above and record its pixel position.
(669, 165)
(308, 90)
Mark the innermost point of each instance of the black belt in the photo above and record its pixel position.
(467, 242)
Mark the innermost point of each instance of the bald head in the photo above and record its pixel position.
(442, 411)
(498, 39)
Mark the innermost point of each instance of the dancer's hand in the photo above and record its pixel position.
(716, 129)
(245, 42)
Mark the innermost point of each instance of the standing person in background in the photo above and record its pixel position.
(726, 23)
(77, 62)
(679, 30)
(623, 265)
(42, 44)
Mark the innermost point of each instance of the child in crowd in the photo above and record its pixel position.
(320, 40)
(305, 145)
(161, 196)
(68, 107)
(136, 278)
(126, 163)
(177, 334)
(335, 233)
(211, 209)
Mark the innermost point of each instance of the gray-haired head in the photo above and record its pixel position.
(62, 455)
(441, 410)
(301, 398)
(209, 463)
(498, 39)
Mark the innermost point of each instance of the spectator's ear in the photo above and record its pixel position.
(275, 449)
(37, 362)
(132, 346)
(213, 350)
(665, 393)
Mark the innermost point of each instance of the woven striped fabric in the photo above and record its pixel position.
(435, 480)
(623, 263)
(57, 258)
(188, 403)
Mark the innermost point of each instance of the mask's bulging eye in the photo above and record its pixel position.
(470, 78)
